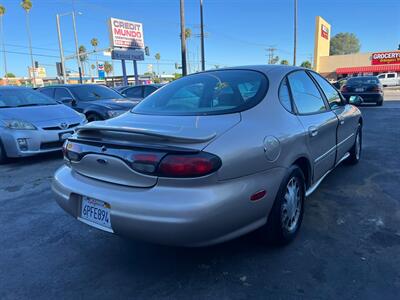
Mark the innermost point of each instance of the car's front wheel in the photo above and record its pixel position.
(287, 212)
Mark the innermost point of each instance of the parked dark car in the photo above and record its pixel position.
(138, 91)
(338, 84)
(97, 102)
(369, 88)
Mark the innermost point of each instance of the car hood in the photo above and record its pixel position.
(39, 114)
(117, 104)
(196, 131)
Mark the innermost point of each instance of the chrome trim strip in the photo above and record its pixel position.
(345, 140)
(333, 148)
(315, 185)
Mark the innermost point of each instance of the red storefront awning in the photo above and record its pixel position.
(369, 69)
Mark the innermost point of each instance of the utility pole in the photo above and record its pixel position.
(4, 50)
(203, 61)
(61, 50)
(271, 51)
(77, 49)
(183, 37)
(295, 33)
(30, 48)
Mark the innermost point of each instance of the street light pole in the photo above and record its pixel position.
(4, 50)
(61, 50)
(77, 48)
(295, 33)
(203, 62)
(183, 37)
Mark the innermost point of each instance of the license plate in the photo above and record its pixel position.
(65, 135)
(96, 213)
(359, 90)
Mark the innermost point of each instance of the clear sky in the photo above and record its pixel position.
(238, 31)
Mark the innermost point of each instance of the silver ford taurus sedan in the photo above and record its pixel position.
(210, 157)
(32, 123)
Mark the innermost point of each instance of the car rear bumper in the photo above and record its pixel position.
(367, 97)
(35, 141)
(190, 215)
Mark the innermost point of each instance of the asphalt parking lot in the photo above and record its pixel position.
(348, 247)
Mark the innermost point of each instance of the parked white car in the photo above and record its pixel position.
(389, 79)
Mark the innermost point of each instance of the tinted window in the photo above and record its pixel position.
(149, 90)
(23, 97)
(390, 76)
(381, 76)
(61, 93)
(330, 92)
(93, 92)
(48, 92)
(213, 92)
(305, 94)
(284, 95)
(134, 92)
(362, 80)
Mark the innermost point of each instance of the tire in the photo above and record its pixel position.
(379, 103)
(355, 151)
(285, 218)
(93, 117)
(3, 155)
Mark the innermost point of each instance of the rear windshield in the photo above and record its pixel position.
(209, 93)
(94, 92)
(23, 97)
(362, 80)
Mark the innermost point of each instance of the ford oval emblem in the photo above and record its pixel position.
(102, 161)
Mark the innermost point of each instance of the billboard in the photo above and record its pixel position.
(126, 34)
(385, 58)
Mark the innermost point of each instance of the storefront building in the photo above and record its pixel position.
(358, 64)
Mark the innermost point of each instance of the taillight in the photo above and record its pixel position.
(72, 151)
(188, 165)
(146, 162)
(344, 89)
(377, 89)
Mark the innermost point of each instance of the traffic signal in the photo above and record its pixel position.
(36, 64)
(147, 51)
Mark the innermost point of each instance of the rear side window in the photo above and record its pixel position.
(284, 95)
(149, 90)
(208, 93)
(330, 92)
(61, 93)
(306, 96)
(391, 76)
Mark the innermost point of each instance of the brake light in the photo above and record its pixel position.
(377, 89)
(189, 165)
(72, 151)
(146, 162)
(344, 89)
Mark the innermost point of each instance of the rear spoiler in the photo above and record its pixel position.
(179, 136)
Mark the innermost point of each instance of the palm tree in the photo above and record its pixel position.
(27, 6)
(188, 35)
(108, 68)
(82, 56)
(284, 62)
(158, 57)
(2, 12)
(94, 42)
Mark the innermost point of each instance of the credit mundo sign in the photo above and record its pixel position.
(126, 34)
(384, 58)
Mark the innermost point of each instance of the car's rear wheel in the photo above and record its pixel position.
(93, 117)
(379, 103)
(355, 151)
(3, 155)
(286, 215)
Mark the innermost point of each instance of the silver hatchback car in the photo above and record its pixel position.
(210, 157)
(32, 123)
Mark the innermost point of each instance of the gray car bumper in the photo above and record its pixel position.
(194, 215)
(36, 141)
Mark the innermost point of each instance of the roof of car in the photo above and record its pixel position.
(72, 85)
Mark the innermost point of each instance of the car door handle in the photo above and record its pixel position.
(312, 131)
(341, 120)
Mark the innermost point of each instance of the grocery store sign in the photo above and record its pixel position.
(126, 34)
(384, 58)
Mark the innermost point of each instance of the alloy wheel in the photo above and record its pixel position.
(291, 207)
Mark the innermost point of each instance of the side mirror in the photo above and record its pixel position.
(355, 100)
(68, 101)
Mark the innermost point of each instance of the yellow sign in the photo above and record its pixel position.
(39, 72)
(322, 40)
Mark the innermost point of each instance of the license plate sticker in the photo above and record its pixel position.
(95, 212)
